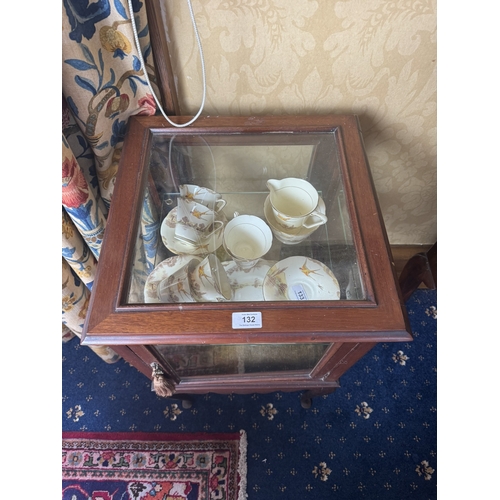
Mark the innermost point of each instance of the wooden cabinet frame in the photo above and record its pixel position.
(353, 327)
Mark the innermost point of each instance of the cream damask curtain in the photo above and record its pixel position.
(103, 85)
(373, 58)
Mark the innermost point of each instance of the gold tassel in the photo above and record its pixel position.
(162, 386)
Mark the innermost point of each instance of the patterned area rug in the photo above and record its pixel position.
(375, 437)
(137, 466)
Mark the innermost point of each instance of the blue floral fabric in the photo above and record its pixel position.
(103, 85)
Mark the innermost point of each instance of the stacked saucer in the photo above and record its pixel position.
(289, 236)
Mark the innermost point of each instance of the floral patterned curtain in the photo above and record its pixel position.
(103, 85)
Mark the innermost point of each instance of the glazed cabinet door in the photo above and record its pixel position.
(246, 368)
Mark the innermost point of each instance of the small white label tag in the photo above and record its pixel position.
(247, 320)
(300, 293)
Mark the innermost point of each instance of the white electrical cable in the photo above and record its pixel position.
(138, 46)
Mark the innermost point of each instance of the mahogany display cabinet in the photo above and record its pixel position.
(303, 336)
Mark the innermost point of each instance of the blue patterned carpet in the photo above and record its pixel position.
(375, 437)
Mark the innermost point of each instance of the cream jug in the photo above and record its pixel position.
(295, 203)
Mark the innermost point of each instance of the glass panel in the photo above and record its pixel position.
(193, 361)
(321, 262)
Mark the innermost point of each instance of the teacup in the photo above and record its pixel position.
(203, 195)
(188, 234)
(209, 281)
(195, 222)
(209, 242)
(295, 203)
(195, 214)
(176, 286)
(247, 238)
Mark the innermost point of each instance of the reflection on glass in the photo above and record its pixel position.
(146, 249)
(237, 168)
(191, 361)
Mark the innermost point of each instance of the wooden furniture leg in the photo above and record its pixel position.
(421, 268)
(306, 397)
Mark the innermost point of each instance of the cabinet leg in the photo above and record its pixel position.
(306, 397)
(305, 402)
(421, 268)
(187, 402)
(185, 399)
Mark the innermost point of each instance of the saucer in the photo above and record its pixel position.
(181, 247)
(289, 236)
(163, 270)
(300, 278)
(247, 283)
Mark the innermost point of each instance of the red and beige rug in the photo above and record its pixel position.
(139, 466)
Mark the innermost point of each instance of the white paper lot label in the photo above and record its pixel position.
(300, 293)
(247, 320)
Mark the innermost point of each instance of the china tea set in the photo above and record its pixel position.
(197, 227)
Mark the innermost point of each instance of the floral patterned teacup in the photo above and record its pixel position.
(208, 244)
(209, 281)
(176, 287)
(203, 195)
(195, 222)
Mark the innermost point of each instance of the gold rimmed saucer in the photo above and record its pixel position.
(247, 282)
(300, 278)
